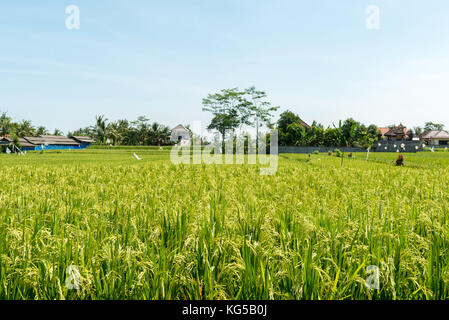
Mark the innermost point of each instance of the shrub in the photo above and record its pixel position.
(338, 153)
(316, 152)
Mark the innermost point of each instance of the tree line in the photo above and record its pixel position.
(22, 128)
(120, 132)
(234, 108)
(231, 109)
(140, 132)
(349, 133)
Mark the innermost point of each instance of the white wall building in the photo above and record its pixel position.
(181, 135)
(436, 138)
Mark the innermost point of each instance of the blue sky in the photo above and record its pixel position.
(160, 58)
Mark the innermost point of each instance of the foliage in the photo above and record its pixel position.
(338, 153)
(350, 133)
(15, 145)
(234, 108)
(430, 126)
(123, 132)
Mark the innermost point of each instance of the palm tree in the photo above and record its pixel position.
(142, 126)
(113, 132)
(41, 131)
(5, 124)
(58, 132)
(159, 134)
(99, 129)
(25, 128)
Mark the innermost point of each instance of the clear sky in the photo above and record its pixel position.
(160, 58)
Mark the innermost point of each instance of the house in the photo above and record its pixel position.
(48, 142)
(6, 141)
(393, 134)
(181, 135)
(435, 138)
(85, 141)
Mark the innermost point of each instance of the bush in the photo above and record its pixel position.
(338, 153)
(316, 152)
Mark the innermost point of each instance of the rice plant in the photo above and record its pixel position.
(149, 229)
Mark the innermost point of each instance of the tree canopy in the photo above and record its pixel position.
(349, 133)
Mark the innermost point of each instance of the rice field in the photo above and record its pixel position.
(152, 230)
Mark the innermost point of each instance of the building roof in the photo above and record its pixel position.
(383, 131)
(52, 140)
(83, 139)
(179, 127)
(434, 134)
(25, 143)
(5, 140)
(397, 131)
(22, 141)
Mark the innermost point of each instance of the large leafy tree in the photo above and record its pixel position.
(291, 129)
(224, 123)
(430, 126)
(261, 110)
(287, 118)
(230, 110)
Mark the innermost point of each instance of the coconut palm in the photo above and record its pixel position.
(99, 129)
(159, 134)
(5, 124)
(25, 128)
(41, 131)
(113, 132)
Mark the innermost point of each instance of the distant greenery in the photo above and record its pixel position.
(429, 126)
(22, 128)
(234, 108)
(350, 133)
(123, 147)
(123, 132)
